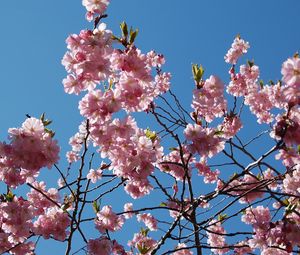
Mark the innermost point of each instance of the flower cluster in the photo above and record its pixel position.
(31, 148)
(216, 238)
(108, 220)
(208, 101)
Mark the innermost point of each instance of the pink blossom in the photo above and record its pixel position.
(154, 59)
(288, 129)
(53, 222)
(183, 251)
(209, 175)
(208, 101)
(291, 182)
(16, 219)
(72, 156)
(258, 216)
(137, 189)
(291, 71)
(141, 241)
(108, 220)
(98, 106)
(39, 201)
(205, 141)
(238, 48)
(289, 157)
(172, 163)
(100, 246)
(128, 207)
(230, 126)
(149, 220)
(31, 148)
(242, 248)
(94, 7)
(215, 237)
(94, 175)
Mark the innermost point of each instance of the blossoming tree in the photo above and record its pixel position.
(117, 80)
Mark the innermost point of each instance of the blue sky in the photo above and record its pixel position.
(33, 37)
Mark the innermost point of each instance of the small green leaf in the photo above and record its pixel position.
(145, 232)
(219, 132)
(198, 72)
(285, 202)
(9, 196)
(261, 83)
(250, 63)
(124, 29)
(133, 35)
(162, 204)
(96, 206)
(222, 217)
(143, 249)
(151, 135)
(42, 118)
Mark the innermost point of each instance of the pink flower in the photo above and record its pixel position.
(40, 202)
(259, 216)
(291, 182)
(183, 251)
(289, 157)
(94, 175)
(33, 126)
(291, 72)
(100, 246)
(215, 237)
(108, 220)
(209, 175)
(53, 223)
(16, 219)
(141, 241)
(238, 48)
(149, 221)
(98, 106)
(230, 126)
(94, 7)
(205, 141)
(208, 101)
(31, 148)
(128, 207)
(175, 168)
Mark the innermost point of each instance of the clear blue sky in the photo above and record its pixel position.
(33, 37)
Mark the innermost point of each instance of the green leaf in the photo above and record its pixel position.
(198, 72)
(151, 135)
(250, 63)
(9, 196)
(124, 29)
(96, 206)
(222, 217)
(162, 204)
(219, 132)
(42, 117)
(145, 231)
(133, 35)
(143, 249)
(285, 202)
(261, 83)
(233, 176)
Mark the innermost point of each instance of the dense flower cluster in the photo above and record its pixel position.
(117, 80)
(31, 148)
(108, 220)
(216, 238)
